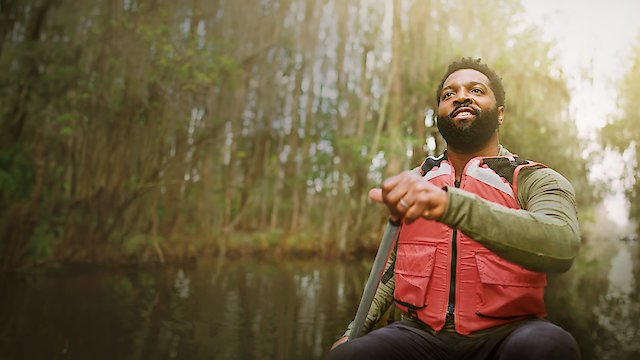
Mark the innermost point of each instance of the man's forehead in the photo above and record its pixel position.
(465, 76)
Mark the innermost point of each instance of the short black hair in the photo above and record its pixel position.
(495, 81)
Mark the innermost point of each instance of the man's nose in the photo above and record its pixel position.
(461, 98)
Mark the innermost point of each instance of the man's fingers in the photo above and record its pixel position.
(402, 184)
(409, 196)
(376, 195)
(425, 200)
(393, 181)
(420, 202)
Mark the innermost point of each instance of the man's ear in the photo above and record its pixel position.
(500, 114)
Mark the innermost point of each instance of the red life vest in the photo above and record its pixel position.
(489, 290)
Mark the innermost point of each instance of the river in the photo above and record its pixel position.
(268, 309)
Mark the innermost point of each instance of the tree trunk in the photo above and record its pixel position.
(397, 151)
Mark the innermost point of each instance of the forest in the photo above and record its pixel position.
(154, 131)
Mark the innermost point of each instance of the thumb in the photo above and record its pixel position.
(376, 195)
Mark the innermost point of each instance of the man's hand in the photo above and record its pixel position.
(339, 341)
(409, 196)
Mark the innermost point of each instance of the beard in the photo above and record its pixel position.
(467, 139)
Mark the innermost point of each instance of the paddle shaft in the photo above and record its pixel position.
(375, 276)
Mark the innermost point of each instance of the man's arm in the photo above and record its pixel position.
(543, 236)
(381, 301)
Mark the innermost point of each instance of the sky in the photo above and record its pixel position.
(594, 40)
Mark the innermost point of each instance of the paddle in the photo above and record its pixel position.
(375, 276)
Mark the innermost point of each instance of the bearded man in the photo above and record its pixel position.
(480, 228)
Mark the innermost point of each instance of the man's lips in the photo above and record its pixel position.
(463, 112)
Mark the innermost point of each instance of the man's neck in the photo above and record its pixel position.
(460, 159)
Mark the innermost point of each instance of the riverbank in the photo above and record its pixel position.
(184, 250)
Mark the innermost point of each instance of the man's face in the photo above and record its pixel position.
(467, 113)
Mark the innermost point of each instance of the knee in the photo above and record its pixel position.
(540, 340)
(347, 350)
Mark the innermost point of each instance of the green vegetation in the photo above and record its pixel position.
(164, 130)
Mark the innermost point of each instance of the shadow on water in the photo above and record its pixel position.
(252, 309)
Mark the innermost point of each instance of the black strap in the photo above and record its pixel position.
(430, 162)
(412, 310)
(504, 166)
(388, 274)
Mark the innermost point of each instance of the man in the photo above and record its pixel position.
(480, 230)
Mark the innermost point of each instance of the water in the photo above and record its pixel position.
(598, 301)
(260, 309)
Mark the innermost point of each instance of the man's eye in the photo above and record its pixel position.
(447, 94)
(477, 91)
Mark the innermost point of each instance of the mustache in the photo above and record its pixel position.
(466, 104)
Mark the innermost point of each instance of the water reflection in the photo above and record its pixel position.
(181, 284)
(621, 278)
(283, 310)
(617, 311)
(597, 301)
(250, 309)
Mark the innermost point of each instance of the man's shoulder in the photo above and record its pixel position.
(534, 173)
(543, 173)
(529, 166)
(543, 180)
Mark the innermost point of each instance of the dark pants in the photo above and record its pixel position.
(532, 339)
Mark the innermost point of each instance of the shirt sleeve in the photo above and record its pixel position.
(542, 236)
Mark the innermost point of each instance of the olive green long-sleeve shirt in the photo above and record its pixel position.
(548, 236)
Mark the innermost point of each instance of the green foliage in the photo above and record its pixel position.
(16, 175)
(41, 243)
(132, 244)
(191, 67)
(138, 245)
